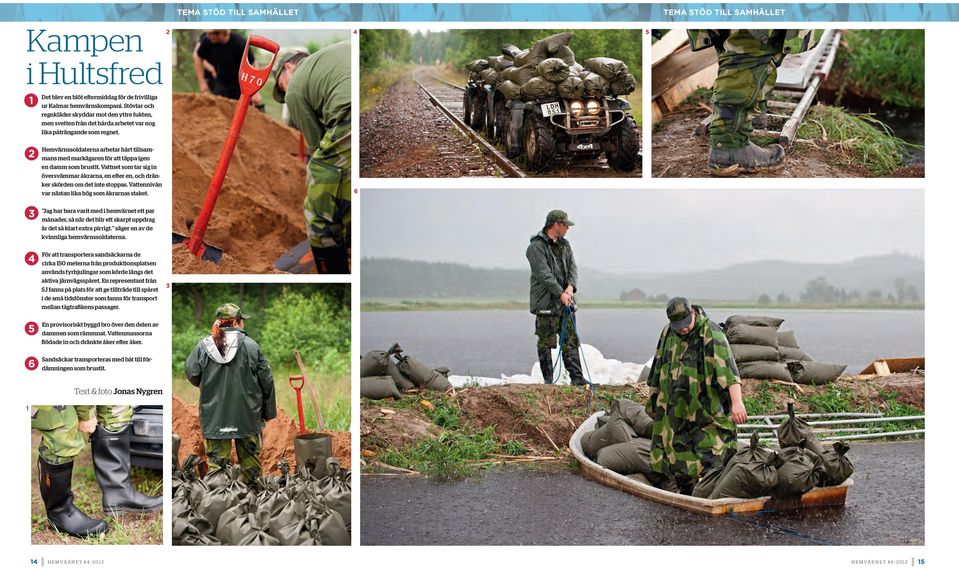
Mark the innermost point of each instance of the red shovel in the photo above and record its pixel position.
(251, 81)
(297, 383)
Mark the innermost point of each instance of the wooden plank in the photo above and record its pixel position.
(668, 44)
(896, 365)
(682, 64)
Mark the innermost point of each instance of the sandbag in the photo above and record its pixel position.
(750, 473)
(234, 523)
(576, 69)
(185, 533)
(402, 382)
(475, 77)
(564, 53)
(521, 75)
(256, 533)
(770, 370)
(616, 431)
(538, 87)
(707, 482)
(793, 354)
(749, 353)
(607, 67)
(553, 70)
(548, 46)
(794, 431)
(572, 88)
(622, 86)
(595, 85)
(814, 372)
(499, 63)
(761, 321)
(490, 76)
(509, 89)
(375, 363)
(836, 465)
(635, 415)
(745, 334)
(377, 388)
(787, 339)
(424, 376)
(217, 501)
(312, 451)
(798, 473)
(626, 457)
(478, 65)
(509, 50)
(527, 57)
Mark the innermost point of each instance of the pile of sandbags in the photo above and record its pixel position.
(621, 440)
(762, 351)
(384, 374)
(549, 69)
(312, 507)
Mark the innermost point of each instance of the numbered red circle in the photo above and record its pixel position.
(31, 212)
(31, 258)
(31, 328)
(30, 100)
(31, 363)
(31, 153)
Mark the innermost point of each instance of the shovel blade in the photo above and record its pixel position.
(207, 252)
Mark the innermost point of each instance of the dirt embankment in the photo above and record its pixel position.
(259, 213)
(278, 437)
(678, 152)
(542, 415)
(405, 136)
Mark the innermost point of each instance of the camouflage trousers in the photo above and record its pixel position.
(548, 329)
(247, 453)
(747, 74)
(683, 450)
(329, 190)
(60, 438)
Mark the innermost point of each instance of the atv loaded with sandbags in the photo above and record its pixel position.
(541, 104)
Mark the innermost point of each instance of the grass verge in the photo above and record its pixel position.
(375, 83)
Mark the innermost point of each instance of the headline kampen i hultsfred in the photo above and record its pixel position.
(88, 73)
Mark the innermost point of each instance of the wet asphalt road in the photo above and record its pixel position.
(536, 506)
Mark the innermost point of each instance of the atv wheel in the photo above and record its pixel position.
(478, 112)
(626, 138)
(514, 144)
(502, 120)
(539, 143)
(467, 106)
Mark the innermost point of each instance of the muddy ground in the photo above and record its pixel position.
(678, 152)
(405, 136)
(542, 415)
(278, 437)
(259, 213)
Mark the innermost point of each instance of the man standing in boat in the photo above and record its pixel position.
(695, 396)
(552, 284)
(748, 60)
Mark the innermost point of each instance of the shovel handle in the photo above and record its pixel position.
(251, 81)
(296, 382)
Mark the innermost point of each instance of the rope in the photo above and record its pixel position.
(558, 364)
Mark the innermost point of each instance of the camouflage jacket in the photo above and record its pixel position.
(689, 397)
(318, 96)
(793, 41)
(552, 268)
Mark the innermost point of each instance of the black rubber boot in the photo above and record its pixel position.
(331, 260)
(56, 483)
(546, 364)
(571, 360)
(111, 460)
(749, 157)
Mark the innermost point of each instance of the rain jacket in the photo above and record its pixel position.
(236, 388)
(552, 268)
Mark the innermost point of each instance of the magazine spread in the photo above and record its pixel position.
(548, 280)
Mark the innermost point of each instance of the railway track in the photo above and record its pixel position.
(447, 97)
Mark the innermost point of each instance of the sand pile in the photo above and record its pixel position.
(277, 438)
(259, 214)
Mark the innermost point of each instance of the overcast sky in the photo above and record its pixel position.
(641, 230)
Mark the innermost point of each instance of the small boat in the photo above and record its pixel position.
(818, 497)
(888, 366)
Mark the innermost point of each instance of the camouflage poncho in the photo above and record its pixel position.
(689, 400)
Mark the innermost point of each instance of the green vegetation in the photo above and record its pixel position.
(311, 318)
(763, 402)
(854, 139)
(885, 64)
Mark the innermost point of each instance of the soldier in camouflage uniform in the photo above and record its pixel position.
(237, 393)
(316, 90)
(695, 397)
(61, 440)
(552, 283)
(748, 60)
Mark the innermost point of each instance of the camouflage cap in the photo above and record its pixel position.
(230, 311)
(558, 216)
(279, 95)
(679, 313)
